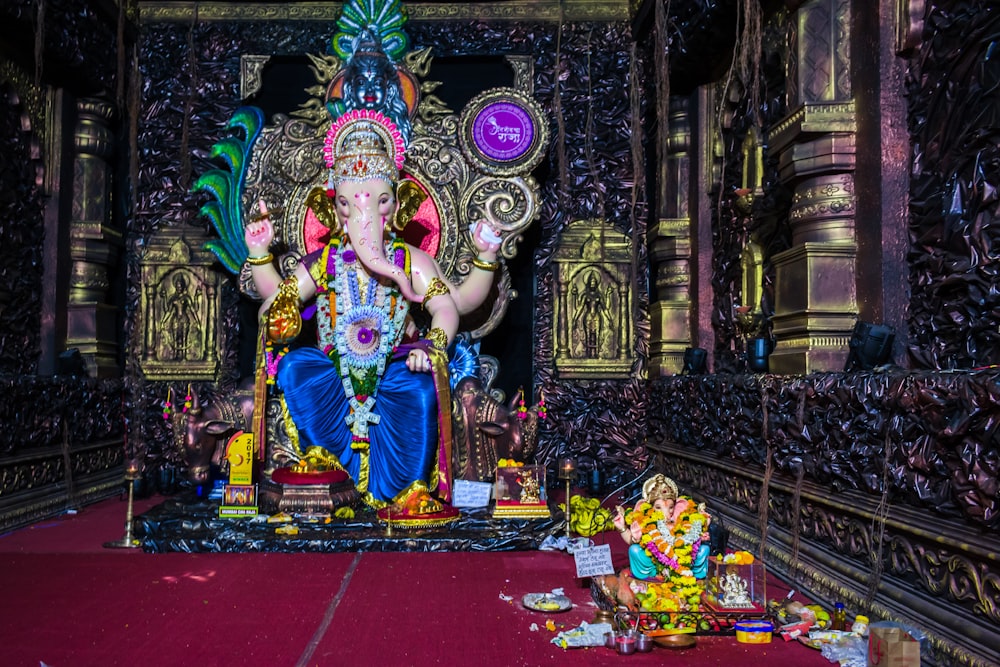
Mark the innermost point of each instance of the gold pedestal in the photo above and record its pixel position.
(522, 511)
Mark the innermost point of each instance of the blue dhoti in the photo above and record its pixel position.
(403, 444)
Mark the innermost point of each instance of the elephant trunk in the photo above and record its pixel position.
(371, 253)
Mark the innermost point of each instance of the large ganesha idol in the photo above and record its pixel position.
(668, 551)
(387, 253)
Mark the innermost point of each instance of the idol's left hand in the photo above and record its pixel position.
(418, 361)
(486, 237)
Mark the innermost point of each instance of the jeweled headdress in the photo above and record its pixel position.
(659, 486)
(363, 144)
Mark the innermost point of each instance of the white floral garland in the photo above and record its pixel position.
(376, 305)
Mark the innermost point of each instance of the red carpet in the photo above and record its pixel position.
(67, 602)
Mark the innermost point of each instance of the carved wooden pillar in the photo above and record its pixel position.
(670, 251)
(815, 301)
(94, 245)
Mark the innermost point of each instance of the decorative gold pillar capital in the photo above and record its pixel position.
(819, 53)
(94, 135)
(823, 209)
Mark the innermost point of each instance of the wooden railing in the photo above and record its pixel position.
(839, 461)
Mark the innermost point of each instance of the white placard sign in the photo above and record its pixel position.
(471, 494)
(593, 561)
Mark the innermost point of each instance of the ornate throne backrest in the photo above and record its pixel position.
(462, 183)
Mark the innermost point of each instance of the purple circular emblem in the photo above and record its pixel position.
(503, 131)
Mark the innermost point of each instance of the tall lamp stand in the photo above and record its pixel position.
(127, 541)
(567, 470)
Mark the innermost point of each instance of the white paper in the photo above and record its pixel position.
(471, 494)
(593, 561)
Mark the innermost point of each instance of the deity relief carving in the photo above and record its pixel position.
(180, 308)
(592, 298)
(181, 304)
(593, 312)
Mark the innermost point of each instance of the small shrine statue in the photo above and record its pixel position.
(735, 592)
(668, 543)
(371, 397)
(530, 489)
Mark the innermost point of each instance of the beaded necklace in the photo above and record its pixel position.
(366, 329)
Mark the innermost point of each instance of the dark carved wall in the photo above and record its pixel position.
(79, 41)
(21, 238)
(888, 481)
(955, 303)
(62, 439)
(834, 429)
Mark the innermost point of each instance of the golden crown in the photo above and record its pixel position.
(363, 144)
(659, 486)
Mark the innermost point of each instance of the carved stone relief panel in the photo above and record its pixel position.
(593, 312)
(180, 308)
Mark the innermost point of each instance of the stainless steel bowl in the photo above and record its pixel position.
(625, 644)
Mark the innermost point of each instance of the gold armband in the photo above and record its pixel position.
(260, 261)
(438, 338)
(484, 265)
(436, 288)
(283, 319)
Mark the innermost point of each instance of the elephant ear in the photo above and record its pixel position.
(322, 207)
(410, 196)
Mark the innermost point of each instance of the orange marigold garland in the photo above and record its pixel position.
(674, 549)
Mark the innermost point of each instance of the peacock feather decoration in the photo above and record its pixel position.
(385, 18)
(224, 210)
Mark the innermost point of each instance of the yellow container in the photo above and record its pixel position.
(754, 632)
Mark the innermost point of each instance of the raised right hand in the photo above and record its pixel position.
(259, 234)
(618, 519)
